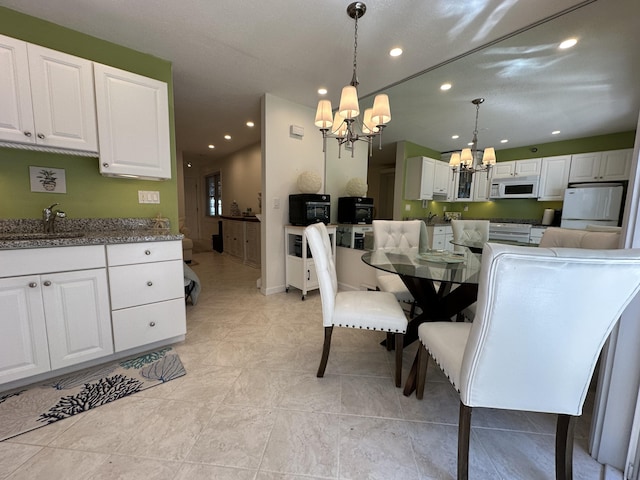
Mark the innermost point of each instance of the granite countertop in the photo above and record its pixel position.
(24, 233)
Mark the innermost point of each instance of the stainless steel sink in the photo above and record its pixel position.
(39, 236)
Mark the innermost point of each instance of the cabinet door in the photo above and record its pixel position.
(23, 342)
(419, 178)
(503, 169)
(464, 187)
(529, 167)
(554, 177)
(77, 315)
(615, 165)
(441, 178)
(585, 167)
(481, 187)
(252, 243)
(63, 99)
(133, 124)
(16, 114)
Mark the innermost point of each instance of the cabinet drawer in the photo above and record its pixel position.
(439, 242)
(133, 327)
(144, 252)
(441, 230)
(145, 283)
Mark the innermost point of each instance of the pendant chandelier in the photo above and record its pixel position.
(464, 161)
(346, 125)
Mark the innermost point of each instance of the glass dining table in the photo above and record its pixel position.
(443, 283)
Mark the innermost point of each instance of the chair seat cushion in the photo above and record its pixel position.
(370, 310)
(446, 341)
(394, 284)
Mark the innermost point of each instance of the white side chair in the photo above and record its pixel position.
(572, 238)
(353, 309)
(535, 350)
(388, 234)
(474, 230)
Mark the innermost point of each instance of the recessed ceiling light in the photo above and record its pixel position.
(570, 42)
(395, 52)
(455, 137)
(504, 140)
(322, 91)
(555, 132)
(470, 144)
(250, 124)
(445, 87)
(189, 165)
(227, 137)
(212, 146)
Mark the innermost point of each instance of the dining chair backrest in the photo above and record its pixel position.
(469, 230)
(320, 245)
(399, 234)
(573, 238)
(542, 318)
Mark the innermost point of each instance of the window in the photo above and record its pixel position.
(214, 195)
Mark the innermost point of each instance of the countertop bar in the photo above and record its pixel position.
(84, 232)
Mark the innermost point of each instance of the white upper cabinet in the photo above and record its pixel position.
(554, 178)
(515, 168)
(481, 187)
(46, 97)
(607, 166)
(418, 183)
(441, 179)
(133, 124)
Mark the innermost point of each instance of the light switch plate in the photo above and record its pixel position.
(145, 196)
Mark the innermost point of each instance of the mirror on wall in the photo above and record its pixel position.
(531, 87)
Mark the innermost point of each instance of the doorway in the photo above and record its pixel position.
(385, 203)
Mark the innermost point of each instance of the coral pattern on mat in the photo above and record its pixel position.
(31, 407)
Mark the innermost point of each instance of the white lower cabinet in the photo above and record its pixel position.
(300, 270)
(52, 320)
(147, 292)
(440, 237)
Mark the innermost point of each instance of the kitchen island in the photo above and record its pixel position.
(97, 290)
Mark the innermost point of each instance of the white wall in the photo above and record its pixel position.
(283, 158)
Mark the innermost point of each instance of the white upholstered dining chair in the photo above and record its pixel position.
(370, 310)
(474, 230)
(532, 348)
(389, 234)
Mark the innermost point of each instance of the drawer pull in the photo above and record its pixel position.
(152, 324)
(149, 284)
(147, 252)
(47, 283)
(105, 165)
(33, 284)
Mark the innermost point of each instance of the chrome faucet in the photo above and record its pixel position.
(430, 217)
(49, 217)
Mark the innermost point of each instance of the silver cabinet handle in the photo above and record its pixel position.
(47, 283)
(152, 324)
(105, 165)
(33, 284)
(147, 252)
(27, 134)
(149, 284)
(41, 135)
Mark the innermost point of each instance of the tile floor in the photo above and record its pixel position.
(251, 407)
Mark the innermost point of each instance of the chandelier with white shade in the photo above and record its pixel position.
(464, 161)
(346, 125)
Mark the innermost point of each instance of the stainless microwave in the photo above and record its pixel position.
(514, 187)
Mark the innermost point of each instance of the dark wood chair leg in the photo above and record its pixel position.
(412, 312)
(389, 343)
(325, 351)
(399, 346)
(422, 359)
(565, 429)
(464, 434)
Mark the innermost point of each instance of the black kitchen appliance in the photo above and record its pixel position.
(355, 210)
(309, 208)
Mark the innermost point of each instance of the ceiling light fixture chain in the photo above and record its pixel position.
(465, 160)
(342, 126)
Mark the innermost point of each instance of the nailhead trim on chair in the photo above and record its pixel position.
(440, 367)
(371, 328)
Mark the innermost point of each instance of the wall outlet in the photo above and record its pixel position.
(407, 208)
(466, 208)
(276, 202)
(148, 196)
(444, 208)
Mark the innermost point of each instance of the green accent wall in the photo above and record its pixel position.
(89, 194)
(528, 209)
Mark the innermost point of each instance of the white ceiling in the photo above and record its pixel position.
(227, 53)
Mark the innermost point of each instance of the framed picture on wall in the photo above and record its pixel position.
(47, 179)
